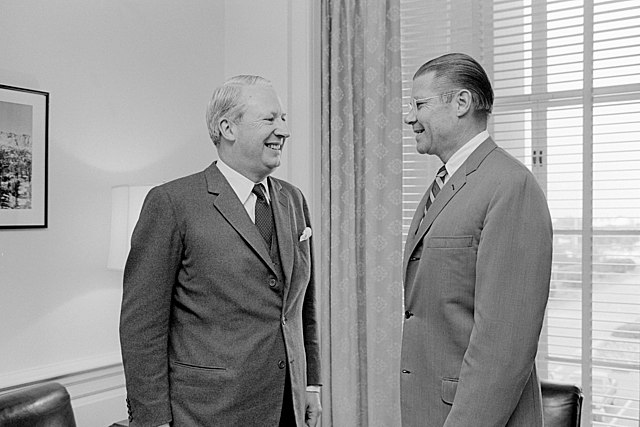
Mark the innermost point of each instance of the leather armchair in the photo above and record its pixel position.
(42, 405)
(561, 403)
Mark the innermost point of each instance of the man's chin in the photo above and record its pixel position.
(270, 154)
(273, 163)
(422, 149)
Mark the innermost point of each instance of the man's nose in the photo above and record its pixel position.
(410, 117)
(282, 130)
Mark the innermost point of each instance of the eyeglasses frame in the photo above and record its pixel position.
(413, 104)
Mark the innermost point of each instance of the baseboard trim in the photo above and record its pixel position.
(55, 372)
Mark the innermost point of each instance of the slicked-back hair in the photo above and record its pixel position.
(460, 71)
(227, 101)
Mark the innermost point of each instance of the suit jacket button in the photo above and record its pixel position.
(272, 283)
(404, 371)
(408, 314)
(282, 364)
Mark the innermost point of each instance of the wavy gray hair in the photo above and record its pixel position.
(227, 101)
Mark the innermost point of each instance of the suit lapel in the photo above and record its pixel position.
(230, 207)
(417, 216)
(450, 189)
(453, 185)
(282, 222)
(412, 237)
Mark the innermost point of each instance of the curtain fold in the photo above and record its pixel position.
(361, 212)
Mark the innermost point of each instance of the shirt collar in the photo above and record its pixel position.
(240, 184)
(460, 156)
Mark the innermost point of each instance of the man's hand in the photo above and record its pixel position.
(313, 409)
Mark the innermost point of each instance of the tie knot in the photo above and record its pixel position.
(258, 190)
(442, 172)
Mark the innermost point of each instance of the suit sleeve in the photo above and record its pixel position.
(513, 269)
(310, 316)
(149, 277)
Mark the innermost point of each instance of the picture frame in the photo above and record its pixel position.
(24, 145)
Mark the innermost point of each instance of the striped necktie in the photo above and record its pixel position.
(435, 188)
(437, 185)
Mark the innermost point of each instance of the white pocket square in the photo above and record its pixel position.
(305, 234)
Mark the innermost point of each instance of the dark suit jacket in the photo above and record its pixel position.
(205, 333)
(476, 286)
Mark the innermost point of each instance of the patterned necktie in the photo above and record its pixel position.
(437, 185)
(435, 188)
(264, 216)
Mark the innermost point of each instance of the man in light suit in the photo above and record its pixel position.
(477, 264)
(218, 324)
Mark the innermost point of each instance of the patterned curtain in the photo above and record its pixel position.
(361, 212)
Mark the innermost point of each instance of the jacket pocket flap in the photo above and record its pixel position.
(448, 392)
(450, 242)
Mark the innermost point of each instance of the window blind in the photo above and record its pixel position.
(566, 75)
(416, 45)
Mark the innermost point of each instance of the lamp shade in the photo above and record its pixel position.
(126, 203)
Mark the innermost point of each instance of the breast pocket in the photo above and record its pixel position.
(452, 242)
(302, 263)
(452, 263)
(303, 250)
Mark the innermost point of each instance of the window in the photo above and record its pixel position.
(566, 75)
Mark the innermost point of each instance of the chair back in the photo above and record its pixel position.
(41, 405)
(561, 403)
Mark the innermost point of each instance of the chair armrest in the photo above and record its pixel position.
(46, 404)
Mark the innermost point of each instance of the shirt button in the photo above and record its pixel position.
(282, 364)
(407, 314)
(284, 321)
(404, 371)
(272, 283)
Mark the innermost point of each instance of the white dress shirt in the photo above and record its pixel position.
(463, 153)
(243, 187)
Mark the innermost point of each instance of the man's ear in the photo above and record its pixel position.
(463, 102)
(227, 129)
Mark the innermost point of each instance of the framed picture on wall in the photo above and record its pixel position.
(24, 123)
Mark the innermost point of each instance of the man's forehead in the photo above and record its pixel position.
(262, 98)
(423, 83)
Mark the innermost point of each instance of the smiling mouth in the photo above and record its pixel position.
(418, 131)
(275, 146)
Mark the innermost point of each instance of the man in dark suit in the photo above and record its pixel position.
(477, 264)
(218, 324)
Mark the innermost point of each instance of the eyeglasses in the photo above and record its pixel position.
(415, 103)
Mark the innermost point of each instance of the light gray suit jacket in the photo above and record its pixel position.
(206, 326)
(476, 284)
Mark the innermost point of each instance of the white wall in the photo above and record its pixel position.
(129, 81)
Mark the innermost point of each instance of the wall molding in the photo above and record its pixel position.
(55, 371)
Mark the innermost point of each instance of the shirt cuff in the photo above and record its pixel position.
(313, 388)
